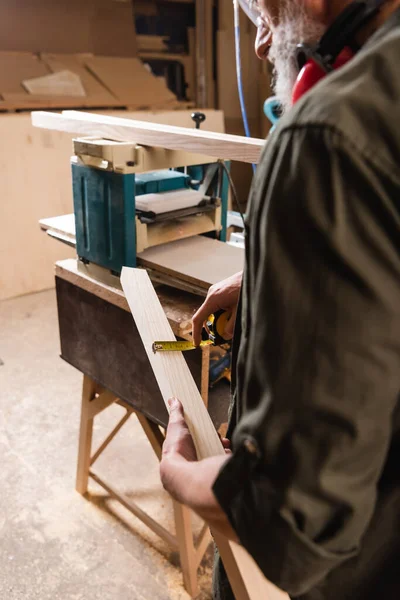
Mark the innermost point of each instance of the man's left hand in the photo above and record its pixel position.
(188, 480)
(177, 450)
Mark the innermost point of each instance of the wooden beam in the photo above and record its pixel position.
(174, 379)
(217, 145)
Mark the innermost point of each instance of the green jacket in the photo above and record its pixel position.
(313, 488)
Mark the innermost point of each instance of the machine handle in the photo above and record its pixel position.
(198, 118)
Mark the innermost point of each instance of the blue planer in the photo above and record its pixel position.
(128, 198)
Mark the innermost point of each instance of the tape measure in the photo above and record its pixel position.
(212, 335)
(215, 326)
(178, 346)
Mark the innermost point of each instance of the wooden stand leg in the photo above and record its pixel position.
(94, 401)
(85, 435)
(187, 551)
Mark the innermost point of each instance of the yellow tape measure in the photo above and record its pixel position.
(177, 346)
(212, 335)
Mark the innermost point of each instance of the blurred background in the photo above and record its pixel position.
(159, 58)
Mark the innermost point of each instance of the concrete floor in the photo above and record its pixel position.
(56, 544)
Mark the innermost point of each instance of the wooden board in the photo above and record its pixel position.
(218, 145)
(64, 225)
(198, 260)
(174, 379)
(130, 81)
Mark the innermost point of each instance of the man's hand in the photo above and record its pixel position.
(178, 448)
(221, 296)
(188, 480)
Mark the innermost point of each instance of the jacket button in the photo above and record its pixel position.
(251, 446)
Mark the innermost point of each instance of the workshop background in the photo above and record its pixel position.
(152, 60)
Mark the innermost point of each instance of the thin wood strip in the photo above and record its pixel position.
(138, 512)
(174, 379)
(218, 145)
(153, 433)
(110, 437)
(203, 541)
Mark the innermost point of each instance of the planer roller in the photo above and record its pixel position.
(128, 198)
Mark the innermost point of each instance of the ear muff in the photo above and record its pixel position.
(313, 71)
(334, 48)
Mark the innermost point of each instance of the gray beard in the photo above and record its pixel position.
(295, 27)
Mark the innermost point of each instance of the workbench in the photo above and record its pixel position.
(99, 338)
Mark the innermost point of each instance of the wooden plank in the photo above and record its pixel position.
(199, 260)
(64, 224)
(174, 379)
(218, 145)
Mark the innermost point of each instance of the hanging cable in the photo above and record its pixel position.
(239, 70)
(233, 189)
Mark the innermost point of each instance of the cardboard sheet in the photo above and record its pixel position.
(15, 67)
(96, 93)
(103, 27)
(130, 81)
(63, 83)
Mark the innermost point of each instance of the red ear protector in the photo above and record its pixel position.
(335, 48)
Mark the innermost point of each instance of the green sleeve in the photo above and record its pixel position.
(319, 361)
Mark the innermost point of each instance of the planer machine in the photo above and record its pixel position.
(128, 198)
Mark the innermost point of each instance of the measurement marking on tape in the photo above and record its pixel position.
(177, 346)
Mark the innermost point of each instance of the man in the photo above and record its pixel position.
(312, 486)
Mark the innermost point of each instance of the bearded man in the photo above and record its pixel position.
(312, 486)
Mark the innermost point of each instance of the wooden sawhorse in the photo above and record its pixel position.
(95, 399)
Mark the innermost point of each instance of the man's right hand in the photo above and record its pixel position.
(221, 296)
